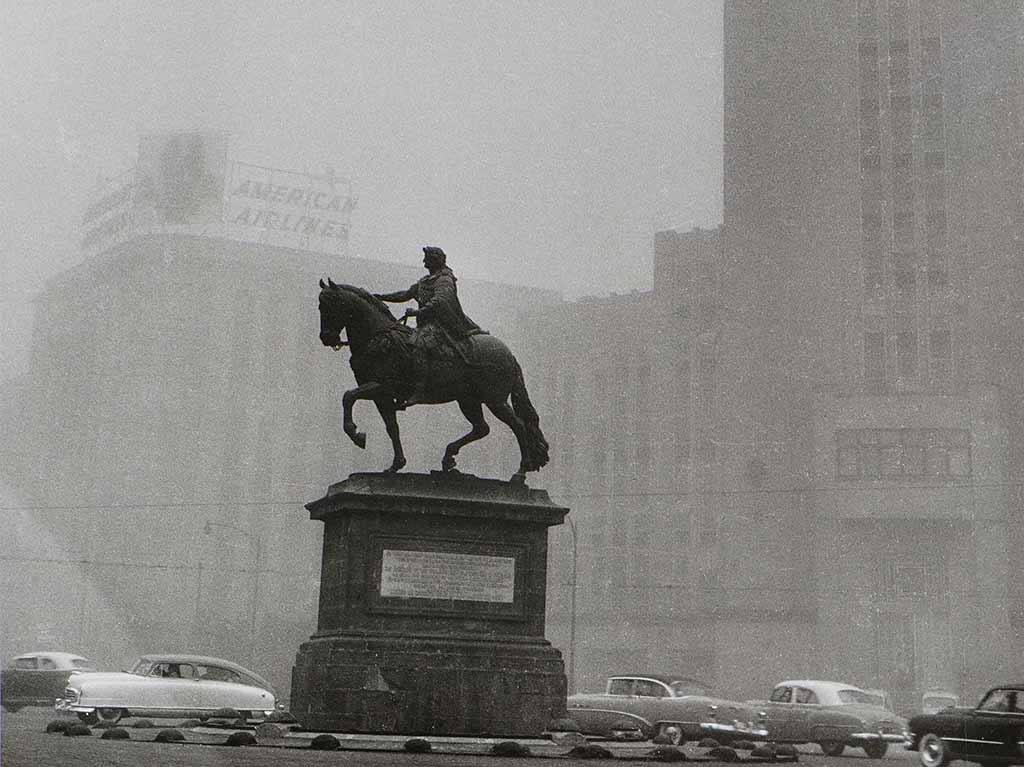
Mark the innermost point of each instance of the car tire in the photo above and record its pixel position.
(88, 717)
(673, 734)
(876, 749)
(933, 751)
(832, 748)
(110, 715)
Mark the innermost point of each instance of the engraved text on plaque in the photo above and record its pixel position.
(445, 575)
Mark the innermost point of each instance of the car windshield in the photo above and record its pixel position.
(83, 664)
(856, 696)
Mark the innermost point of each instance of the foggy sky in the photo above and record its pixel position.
(538, 142)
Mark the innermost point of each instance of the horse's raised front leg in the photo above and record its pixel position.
(386, 408)
(475, 415)
(504, 413)
(348, 399)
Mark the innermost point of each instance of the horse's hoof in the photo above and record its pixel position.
(448, 463)
(519, 478)
(395, 467)
(360, 439)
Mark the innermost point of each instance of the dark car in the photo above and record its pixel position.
(990, 733)
(37, 678)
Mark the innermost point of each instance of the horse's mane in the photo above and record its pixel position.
(369, 298)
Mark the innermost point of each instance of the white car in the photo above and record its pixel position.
(835, 715)
(168, 686)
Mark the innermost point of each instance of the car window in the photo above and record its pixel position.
(782, 695)
(217, 674)
(82, 663)
(173, 670)
(649, 689)
(854, 696)
(997, 700)
(682, 688)
(621, 687)
(26, 663)
(803, 695)
(47, 664)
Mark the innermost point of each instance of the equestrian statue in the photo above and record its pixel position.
(446, 358)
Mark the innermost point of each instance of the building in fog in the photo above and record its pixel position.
(823, 477)
(179, 410)
(627, 394)
(871, 283)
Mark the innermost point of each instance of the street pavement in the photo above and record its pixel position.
(24, 742)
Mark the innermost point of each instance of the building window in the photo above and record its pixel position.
(902, 454)
(874, 284)
(874, 361)
(906, 355)
(904, 277)
(940, 352)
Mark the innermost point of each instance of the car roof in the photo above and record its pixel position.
(667, 679)
(819, 684)
(204, 660)
(67, 657)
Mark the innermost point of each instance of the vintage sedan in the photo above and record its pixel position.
(991, 733)
(168, 686)
(647, 705)
(36, 678)
(835, 715)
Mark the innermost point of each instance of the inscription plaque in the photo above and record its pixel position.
(446, 575)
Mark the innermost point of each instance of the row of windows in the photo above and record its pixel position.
(903, 275)
(902, 349)
(902, 453)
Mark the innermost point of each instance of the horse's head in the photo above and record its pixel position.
(332, 313)
(344, 307)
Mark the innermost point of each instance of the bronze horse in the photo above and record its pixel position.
(385, 371)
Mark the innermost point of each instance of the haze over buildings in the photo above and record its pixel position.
(798, 455)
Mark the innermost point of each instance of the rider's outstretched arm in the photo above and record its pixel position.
(398, 296)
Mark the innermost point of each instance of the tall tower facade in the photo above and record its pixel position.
(871, 325)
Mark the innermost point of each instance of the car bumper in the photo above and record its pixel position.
(67, 706)
(888, 737)
(712, 728)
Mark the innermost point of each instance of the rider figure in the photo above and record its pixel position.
(442, 328)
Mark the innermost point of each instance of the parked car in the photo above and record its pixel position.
(646, 705)
(168, 686)
(936, 699)
(36, 678)
(990, 733)
(834, 715)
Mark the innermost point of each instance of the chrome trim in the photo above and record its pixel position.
(888, 737)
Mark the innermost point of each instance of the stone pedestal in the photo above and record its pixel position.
(431, 615)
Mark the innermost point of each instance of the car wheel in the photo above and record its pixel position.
(876, 748)
(110, 715)
(933, 751)
(88, 717)
(673, 733)
(832, 748)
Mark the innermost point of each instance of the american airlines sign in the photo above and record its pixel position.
(184, 183)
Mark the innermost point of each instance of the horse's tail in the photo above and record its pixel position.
(536, 445)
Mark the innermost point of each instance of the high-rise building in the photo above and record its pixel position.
(871, 284)
(831, 424)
